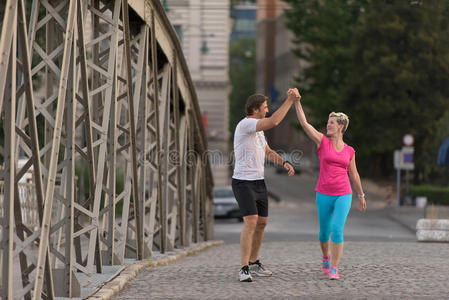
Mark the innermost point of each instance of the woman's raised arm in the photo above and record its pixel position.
(311, 132)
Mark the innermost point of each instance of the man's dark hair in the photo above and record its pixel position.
(254, 102)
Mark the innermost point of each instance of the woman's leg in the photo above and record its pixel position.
(325, 248)
(325, 207)
(341, 210)
(337, 251)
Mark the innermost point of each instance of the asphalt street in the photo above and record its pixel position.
(294, 218)
(381, 260)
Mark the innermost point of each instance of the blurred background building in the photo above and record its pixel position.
(244, 16)
(203, 28)
(276, 68)
(207, 31)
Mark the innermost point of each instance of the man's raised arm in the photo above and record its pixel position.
(278, 115)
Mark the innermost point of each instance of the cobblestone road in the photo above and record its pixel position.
(368, 270)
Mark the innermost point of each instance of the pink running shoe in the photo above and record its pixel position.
(333, 273)
(326, 265)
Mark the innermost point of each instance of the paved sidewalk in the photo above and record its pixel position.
(407, 216)
(111, 286)
(368, 270)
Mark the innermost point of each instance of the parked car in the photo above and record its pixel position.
(225, 204)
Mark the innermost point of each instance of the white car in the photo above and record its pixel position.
(225, 204)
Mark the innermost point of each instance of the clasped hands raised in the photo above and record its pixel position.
(294, 95)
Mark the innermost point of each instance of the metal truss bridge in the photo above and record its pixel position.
(103, 154)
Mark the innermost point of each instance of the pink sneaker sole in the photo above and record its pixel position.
(333, 273)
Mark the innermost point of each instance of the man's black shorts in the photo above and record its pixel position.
(251, 196)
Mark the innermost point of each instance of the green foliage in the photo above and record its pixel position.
(119, 187)
(242, 75)
(400, 77)
(323, 32)
(435, 194)
(438, 174)
(82, 173)
(384, 63)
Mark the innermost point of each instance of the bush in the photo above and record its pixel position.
(435, 194)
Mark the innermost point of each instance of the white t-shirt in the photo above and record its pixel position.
(249, 151)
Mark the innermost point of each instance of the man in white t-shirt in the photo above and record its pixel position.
(248, 185)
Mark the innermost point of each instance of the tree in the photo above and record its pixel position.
(323, 32)
(242, 75)
(385, 63)
(399, 81)
(438, 174)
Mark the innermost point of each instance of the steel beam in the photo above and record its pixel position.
(8, 173)
(132, 122)
(113, 98)
(162, 234)
(9, 21)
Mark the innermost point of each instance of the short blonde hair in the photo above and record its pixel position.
(342, 119)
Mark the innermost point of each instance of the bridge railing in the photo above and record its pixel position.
(97, 101)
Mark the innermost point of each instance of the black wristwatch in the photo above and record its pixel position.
(285, 162)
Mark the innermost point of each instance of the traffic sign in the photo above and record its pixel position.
(408, 139)
(403, 159)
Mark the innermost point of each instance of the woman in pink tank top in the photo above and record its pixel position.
(333, 190)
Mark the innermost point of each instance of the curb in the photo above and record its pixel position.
(116, 283)
(394, 216)
(433, 230)
(398, 220)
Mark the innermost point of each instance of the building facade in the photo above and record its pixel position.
(244, 16)
(277, 67)
(203, 28)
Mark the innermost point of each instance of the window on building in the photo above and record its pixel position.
(245, 25)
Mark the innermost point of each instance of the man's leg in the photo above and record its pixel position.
(255, 266)
(247, 237)
(257, 238)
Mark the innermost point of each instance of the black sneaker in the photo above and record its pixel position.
(244, 275)
(256, 268)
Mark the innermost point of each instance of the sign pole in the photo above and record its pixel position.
(406, 182)
(398, 186)
(403, 160)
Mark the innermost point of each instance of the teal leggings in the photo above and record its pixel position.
(332, 213)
